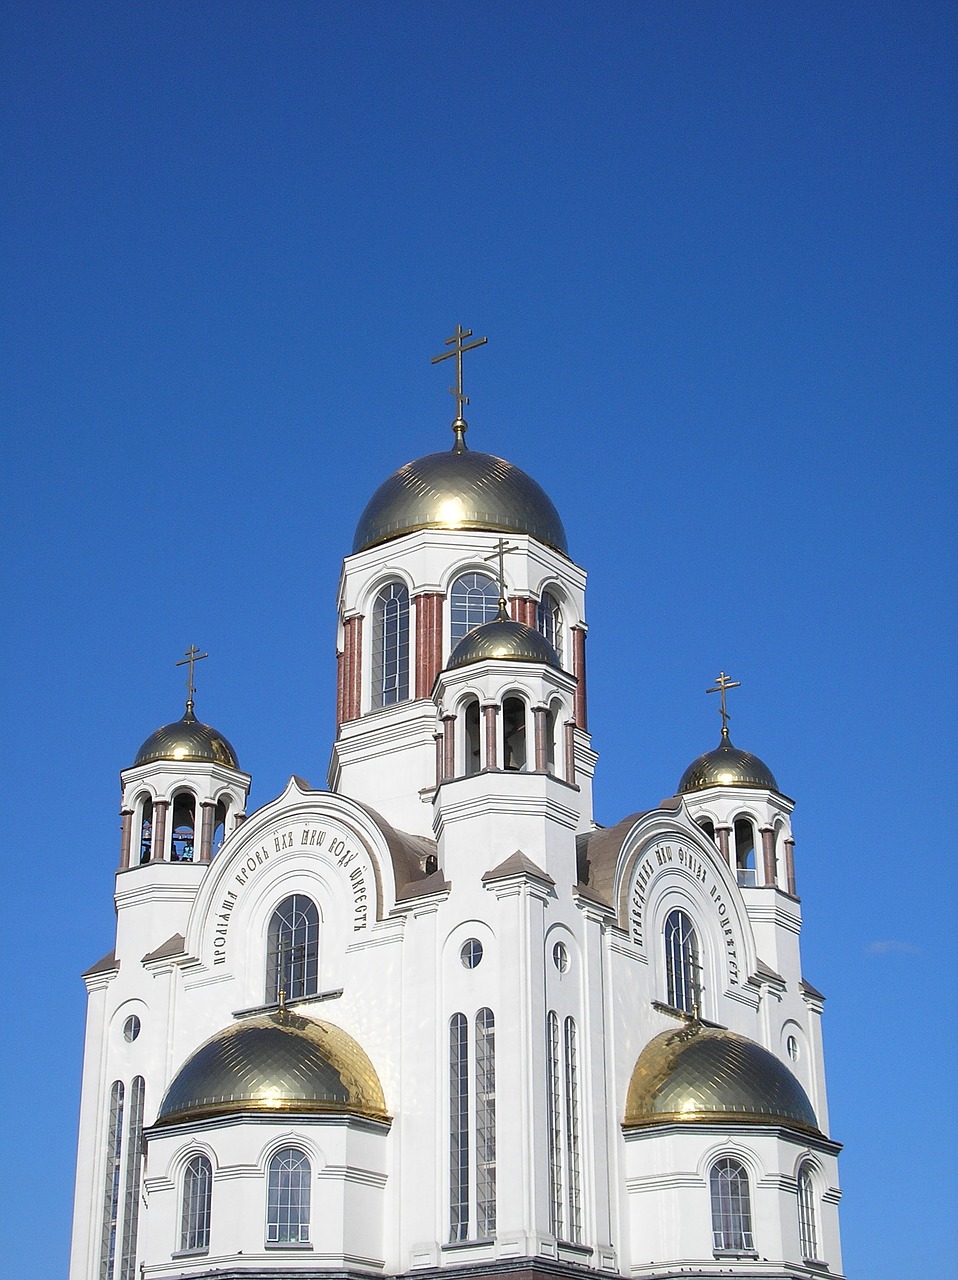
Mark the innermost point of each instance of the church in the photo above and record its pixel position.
(433, 1018)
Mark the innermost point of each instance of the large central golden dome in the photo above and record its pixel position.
(459, 490)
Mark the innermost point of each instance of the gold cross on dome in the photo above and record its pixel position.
(502, 549)
(459, 345)
(190, 659)
(722, 684)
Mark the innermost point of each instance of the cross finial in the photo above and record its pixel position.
(459, 345)
(722, 684)
(502, 549)
(190, 659)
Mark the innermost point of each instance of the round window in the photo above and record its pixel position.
(131, 1028)
(560, 957)
(791, 1047)
(471, 953)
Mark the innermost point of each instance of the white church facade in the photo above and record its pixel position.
(433, 1018)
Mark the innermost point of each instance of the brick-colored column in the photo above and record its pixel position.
(428, 641)
(206, 829)
(723, 834)
(768, 854)
(490, 712)
(353, 664)
(570, 751)
(578, 670)
(126, 838)
(158, 847)
(790, 866)
(540, 728)
(523, 609)
(448, 746)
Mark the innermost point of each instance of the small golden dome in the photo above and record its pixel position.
(708, 1075)
(502, 639)
(275, 1063)
(726, 766)
(189, 740)
(459, 490)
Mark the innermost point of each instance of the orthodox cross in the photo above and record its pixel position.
(722, 684)
(502, 549)
(190, 659)
(458, 347)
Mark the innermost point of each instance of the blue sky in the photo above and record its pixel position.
(712, 246)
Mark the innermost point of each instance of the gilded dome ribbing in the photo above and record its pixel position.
(275, 1063)
(460, 489)
(189, 740)
(727, 766)
(707, 1075)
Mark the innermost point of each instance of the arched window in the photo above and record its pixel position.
(708, 826)
(390, 665)
(472, 1177)
(474, 599)
(111, 1183)
(563, 1099)
(549, 621)
(146, 829)
(807, 1226)
(486, 1122)
(513, 734)
(744, 852)
(682, 966)
(552, 728)
(219, 826)
(731, 1210)
(184, 827)
(458, 1127)
(292, 952)
(197, 1199)
(287, 1215)
(134, 1170)
(470, 723)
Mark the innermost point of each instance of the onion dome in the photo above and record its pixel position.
(706, 1075)
(189, 740)
(503, 639)
(726, 766)
(459, 490)
(276, 1063)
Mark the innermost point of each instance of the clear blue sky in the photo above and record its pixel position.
(713, 248)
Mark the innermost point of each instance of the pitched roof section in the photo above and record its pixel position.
(174, 946)
(106, 965)
(518, 864)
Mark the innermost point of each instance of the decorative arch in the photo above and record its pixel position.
(183, 828)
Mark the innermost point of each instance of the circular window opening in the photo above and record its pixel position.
(131, 1028)
(791, 1048)
(560, 957)
(471, 953)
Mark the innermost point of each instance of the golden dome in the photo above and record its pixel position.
(187, 739)
(502, 639)
(459, 490)
(275, 1063)
(726, 766)
(702, 1074)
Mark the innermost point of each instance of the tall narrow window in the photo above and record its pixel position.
(807, 1226)
(473, 600)
(744, 852)
(486, 1122)
(134, 1171)
(731, 1209)
(514, 734)
(552, 718)
(292, 953)
(184, 826)
(549, 621)
(564, 1172)
(458, 1127)
(111, 1182)
(288, 1196)
(390, 640)
(197, 1203)
(146, 829)
(682, 967)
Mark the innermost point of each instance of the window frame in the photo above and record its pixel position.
(281, 1199)
(807, 1212)
(309, 962)
(730, 1201)
(683, 962)
(196, 1204)
(389, 654)
(474, 613)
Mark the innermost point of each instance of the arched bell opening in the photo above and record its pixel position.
(744, 836)
(553, 720)
(144, 828)
(469, 719)
(183, 837)
(708, 826)
(514, 744)
(219, 826)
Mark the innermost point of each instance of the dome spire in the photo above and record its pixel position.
(458, 347)
(722, 684)
(190, 659)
